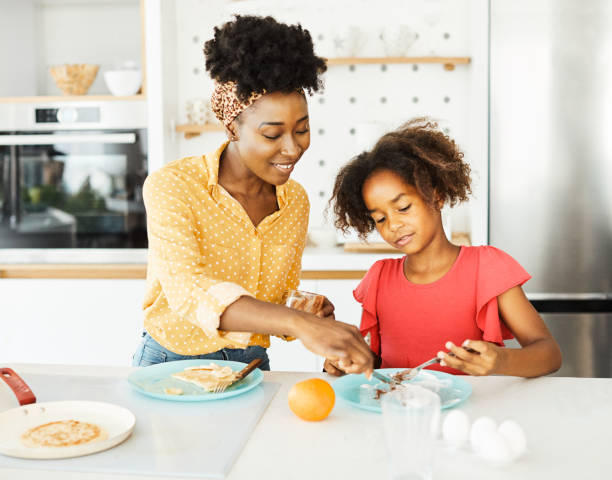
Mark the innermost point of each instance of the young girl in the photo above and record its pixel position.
(465, 299)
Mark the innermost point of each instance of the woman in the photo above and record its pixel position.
(227, 230)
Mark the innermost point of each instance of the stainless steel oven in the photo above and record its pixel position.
(71, 176)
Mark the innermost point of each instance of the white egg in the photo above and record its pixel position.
(495, 449)
(515, 436)
(479, 428)
(456, 428)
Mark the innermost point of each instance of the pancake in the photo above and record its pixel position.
(206, 376)
(63, 433)
(173, 391)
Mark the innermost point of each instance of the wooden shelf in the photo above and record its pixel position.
(129, 271)
(374, 247)
(70, 98)
(193, 130)
(448, 62)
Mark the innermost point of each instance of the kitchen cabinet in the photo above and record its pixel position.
(106, 33)
(99, 321)
(72, 311)
(93, 322)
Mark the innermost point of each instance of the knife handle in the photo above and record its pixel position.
(20, 388)
(248, 369)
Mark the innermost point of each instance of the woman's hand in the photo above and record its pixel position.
(340, 343)
(327, 310)
(474, 357)
(332, 369)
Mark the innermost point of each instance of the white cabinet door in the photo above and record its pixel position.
(88, 322)
(293, 356)
(98, 322)
(340, 293)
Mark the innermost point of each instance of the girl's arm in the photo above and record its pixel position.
(539, 355)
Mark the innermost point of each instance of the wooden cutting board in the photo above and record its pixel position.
(374, 247)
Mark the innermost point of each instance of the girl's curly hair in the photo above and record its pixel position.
(420, 154)
(259, 53)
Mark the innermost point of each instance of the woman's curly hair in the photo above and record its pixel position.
(420, 154)
(259, 53)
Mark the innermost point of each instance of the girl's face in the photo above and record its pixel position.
(273, 134)
(402, 217)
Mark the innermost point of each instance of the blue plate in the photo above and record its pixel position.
(357, 390)
(154, 379)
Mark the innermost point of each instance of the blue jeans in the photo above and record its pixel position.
(150, 352)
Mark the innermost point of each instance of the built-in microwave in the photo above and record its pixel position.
(71, 177)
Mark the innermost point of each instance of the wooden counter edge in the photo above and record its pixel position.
(130, 271)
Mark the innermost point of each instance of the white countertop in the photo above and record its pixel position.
(567, 422)
(314, 258)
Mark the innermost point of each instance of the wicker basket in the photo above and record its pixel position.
(74, 79)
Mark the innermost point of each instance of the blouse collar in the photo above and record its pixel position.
(212, 166)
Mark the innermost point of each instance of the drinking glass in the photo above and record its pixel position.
(305, 301)
(411, 416)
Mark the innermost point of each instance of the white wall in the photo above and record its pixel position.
(355, 97)
(17, 52)
(161, 74)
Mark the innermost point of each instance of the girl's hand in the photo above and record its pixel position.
(332, 369)
(475, 357)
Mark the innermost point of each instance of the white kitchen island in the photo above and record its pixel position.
(567, 422)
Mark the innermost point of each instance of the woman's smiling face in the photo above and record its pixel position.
(273, 134)
(402, 217)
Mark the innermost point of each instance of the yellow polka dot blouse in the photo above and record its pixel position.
(205, 253)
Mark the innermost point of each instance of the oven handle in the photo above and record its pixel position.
(15, 189)
(49, 139)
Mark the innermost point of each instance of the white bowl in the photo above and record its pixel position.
(123, 82)
(322, 237)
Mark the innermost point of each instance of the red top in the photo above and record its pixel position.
(409, 323)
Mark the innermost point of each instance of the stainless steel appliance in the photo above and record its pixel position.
(551, 166)
(71, 175)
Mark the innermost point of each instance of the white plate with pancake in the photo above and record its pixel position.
(63, 429)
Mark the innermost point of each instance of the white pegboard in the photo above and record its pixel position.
(360, 101)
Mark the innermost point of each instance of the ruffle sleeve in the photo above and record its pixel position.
(366, 294)
(498, 272)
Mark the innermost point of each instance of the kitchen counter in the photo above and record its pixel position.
(566, 420)
(329, 262)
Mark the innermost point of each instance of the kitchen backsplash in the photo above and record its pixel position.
(360, 101)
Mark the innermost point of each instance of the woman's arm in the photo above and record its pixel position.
(539, 355)
(340, 342)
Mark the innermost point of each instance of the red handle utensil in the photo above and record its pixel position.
(23, 393)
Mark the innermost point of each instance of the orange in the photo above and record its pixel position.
(312, 399)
